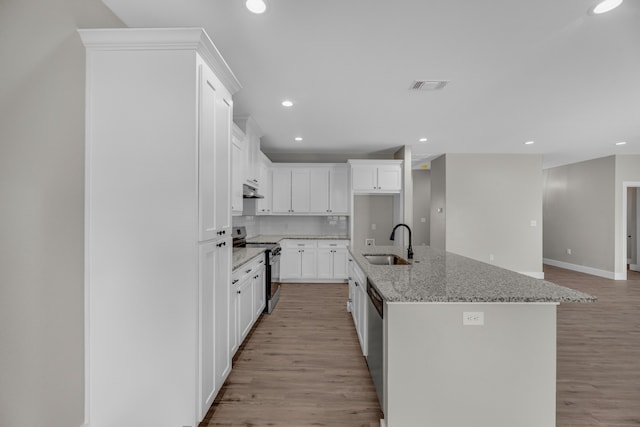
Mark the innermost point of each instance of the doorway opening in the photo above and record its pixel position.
(631, 227)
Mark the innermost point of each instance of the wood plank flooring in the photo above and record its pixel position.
(302, 365)
(598, 370)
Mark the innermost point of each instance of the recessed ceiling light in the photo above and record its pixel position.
(287, 103)
(256, 6)
(423, 140)
(529, 142)
(621, 143)
(298, 139)
(605, 6)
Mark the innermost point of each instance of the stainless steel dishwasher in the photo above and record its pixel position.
(375, 314)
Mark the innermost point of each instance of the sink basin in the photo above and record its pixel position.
(385, 259)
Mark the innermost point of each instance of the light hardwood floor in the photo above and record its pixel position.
(598, 371)
(302, 365)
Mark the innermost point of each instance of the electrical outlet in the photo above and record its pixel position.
(473, 318)
(369, 242)
(423, 219)
(534, 223)
(491, 258)
(568, 251)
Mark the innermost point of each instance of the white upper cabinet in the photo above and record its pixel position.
(264, 205)
(252, 136)
(311, 189)
(238, 158)
(376, 176)
(290, 190)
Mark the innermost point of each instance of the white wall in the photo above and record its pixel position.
(491, 201)
(370, 210)
(579, 214)
(438, 219)
(42, 209)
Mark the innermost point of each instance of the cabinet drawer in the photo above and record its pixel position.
(299, 243)
(247, 269)
(332, 244)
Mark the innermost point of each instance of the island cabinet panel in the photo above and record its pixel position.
(441, 372)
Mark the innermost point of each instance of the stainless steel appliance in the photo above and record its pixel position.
(375, 314)
(272, 263)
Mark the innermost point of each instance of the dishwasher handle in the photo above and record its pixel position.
(376, 299)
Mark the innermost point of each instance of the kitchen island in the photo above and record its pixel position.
(465, 343)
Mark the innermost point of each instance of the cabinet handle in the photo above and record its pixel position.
(248, 271)
(239, 292)
(356, 283)
(256, 276)
(234, 281)
(350, 278)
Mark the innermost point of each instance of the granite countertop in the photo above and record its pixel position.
(242, 255)
(276, 238)
(439, 276)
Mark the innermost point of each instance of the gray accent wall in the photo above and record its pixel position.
(492, 200)
(579, 213)
(42, 102)
(421, 206)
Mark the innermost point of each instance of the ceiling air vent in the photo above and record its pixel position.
(428, 84)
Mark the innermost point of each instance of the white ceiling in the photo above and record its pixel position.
(519, 70)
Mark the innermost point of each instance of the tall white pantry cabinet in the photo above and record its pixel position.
(158, 221)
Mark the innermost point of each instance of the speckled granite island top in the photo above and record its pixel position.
(439, 276)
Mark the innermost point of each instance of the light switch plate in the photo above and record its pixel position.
(473, 318)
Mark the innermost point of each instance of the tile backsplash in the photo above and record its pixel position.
(294, 225)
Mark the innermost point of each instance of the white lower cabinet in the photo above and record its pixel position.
(358, 302)
(314, 260)
(247, 300)
(332, 260)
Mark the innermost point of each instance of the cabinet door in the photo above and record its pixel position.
(364, 177)
(290, 264)
(308, 268)
(224, 116)
(207, 324)
(237, 175)
(319, 190)
(339, 191)
(234, 330)
(245, 307)
(263, 206)
(222, 301)
(325, 263)
(207, 98)
(300, 198)
(258, 292)
(281, 191)
(390, 177)
(340, 263)
(215, 359)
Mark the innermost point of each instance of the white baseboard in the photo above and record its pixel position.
(634, 267)
(534, 274)
(584, 269)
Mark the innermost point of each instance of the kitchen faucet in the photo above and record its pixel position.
(410, 249)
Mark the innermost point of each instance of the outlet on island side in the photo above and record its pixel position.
(369, 242)
(473, 318)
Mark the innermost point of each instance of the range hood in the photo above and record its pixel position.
(249, 192)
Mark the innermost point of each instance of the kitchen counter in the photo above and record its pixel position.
(463, 342)
(276, 238)
(439, 276)
(242, 255)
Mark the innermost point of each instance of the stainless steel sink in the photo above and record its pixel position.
(385, 259)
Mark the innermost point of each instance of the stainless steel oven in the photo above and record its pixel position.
(272, 263)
